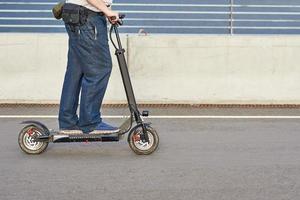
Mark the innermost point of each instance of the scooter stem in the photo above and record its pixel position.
(120, 53)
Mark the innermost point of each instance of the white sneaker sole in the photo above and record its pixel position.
(70, 132)
(104, 132)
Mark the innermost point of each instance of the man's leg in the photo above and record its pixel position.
(93, 90)
(68, 118)
(96, 69)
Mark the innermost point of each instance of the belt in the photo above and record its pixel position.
(90, 13)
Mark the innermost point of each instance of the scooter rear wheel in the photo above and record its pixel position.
(140, 147)
(27, 141)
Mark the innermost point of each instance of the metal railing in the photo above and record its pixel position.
(169, 16)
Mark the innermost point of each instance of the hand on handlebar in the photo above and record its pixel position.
(112, 16)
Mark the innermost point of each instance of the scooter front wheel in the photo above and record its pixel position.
(140, 147)
(27, 140)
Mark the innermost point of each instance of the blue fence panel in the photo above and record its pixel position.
(168, 16)
(266, 17)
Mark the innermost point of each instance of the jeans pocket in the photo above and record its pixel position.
(89, 31)
(72, 31)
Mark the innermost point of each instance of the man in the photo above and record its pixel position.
(88, 70)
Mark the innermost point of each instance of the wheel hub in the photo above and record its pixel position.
(29, 139)
(144, 146)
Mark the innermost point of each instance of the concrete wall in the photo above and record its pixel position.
(33, 66)
(164, 69)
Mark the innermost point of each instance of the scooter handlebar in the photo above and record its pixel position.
(121, 17)
(114, 28)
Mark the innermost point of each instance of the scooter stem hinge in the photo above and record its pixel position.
(120, 51)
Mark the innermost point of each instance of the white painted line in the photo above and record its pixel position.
(158, 27)
(163, 4)
(27, 18)
(164, 12)
(130, 19)
(31, 26)
(164, 19)
(62, 26)
(224, 117)
(162, 117)
(268, 27)
(27, 3)
(28, 116)
(208, 12)
(185, 27)
(23, 11)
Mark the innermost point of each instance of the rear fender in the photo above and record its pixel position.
(37, 124)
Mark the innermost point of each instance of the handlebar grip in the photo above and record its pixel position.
(121, 16)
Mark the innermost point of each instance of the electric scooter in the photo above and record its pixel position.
(142, 138)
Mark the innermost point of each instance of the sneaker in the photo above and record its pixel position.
(104, 128)
(70, 131)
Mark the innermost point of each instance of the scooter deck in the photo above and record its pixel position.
(85, 138)
(79, 136)
(121, 129)
(78, 132)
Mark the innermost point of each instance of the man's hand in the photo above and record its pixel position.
(112, 16)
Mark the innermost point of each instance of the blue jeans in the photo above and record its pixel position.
(88, 70)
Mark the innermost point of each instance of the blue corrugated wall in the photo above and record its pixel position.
(168, 16)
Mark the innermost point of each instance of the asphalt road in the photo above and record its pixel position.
(230, 159)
